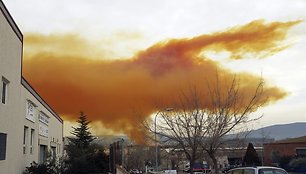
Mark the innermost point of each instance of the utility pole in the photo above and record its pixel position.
(156, 148)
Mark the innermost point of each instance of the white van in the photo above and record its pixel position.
(170, 172)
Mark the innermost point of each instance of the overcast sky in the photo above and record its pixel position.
(145, 22)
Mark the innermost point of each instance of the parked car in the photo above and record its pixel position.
(170, 172)
(135, 171)
(226, 169)
(198, 168)
(257, 170)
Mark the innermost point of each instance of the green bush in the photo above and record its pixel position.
(96, 162)
(84, 156)
(53, 165)
(35, 168)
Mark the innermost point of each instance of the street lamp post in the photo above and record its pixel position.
(156, 149)
(122, 152)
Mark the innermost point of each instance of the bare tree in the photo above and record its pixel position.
(229, 108)
(184, 125)
(200, 119)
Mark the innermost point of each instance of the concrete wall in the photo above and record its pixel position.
(50, 122)
(13, 113)
(10, 68)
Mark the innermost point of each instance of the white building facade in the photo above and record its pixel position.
(29, 127)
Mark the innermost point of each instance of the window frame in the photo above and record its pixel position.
(32, 137)
(273, 170)
(4, 90)
(253, 171)
(25, 139)
(300, 151)
(235, 171)
(3, 144)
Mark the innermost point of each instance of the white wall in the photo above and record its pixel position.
(13, 112)
(10, 68)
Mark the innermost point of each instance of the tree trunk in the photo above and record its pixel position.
(192, 159)
(191, 163)
(213, 157)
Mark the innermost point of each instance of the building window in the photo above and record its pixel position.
(42, 153)
(2, 146)
(4, 88)
(301, 151)
(59, 148)
(32, 140)
(25, 138)
(53, 151)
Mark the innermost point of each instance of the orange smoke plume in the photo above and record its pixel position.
(65, 70)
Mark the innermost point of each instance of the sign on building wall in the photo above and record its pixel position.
(43, 124)
(43, 130)
(30, 111)
(43, 118)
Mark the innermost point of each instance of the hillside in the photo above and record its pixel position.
(280, 131)
(270, 133)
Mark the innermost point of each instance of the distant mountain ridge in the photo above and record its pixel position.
(280, 131)
(276, 132)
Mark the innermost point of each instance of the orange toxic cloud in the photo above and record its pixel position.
(73, 76)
